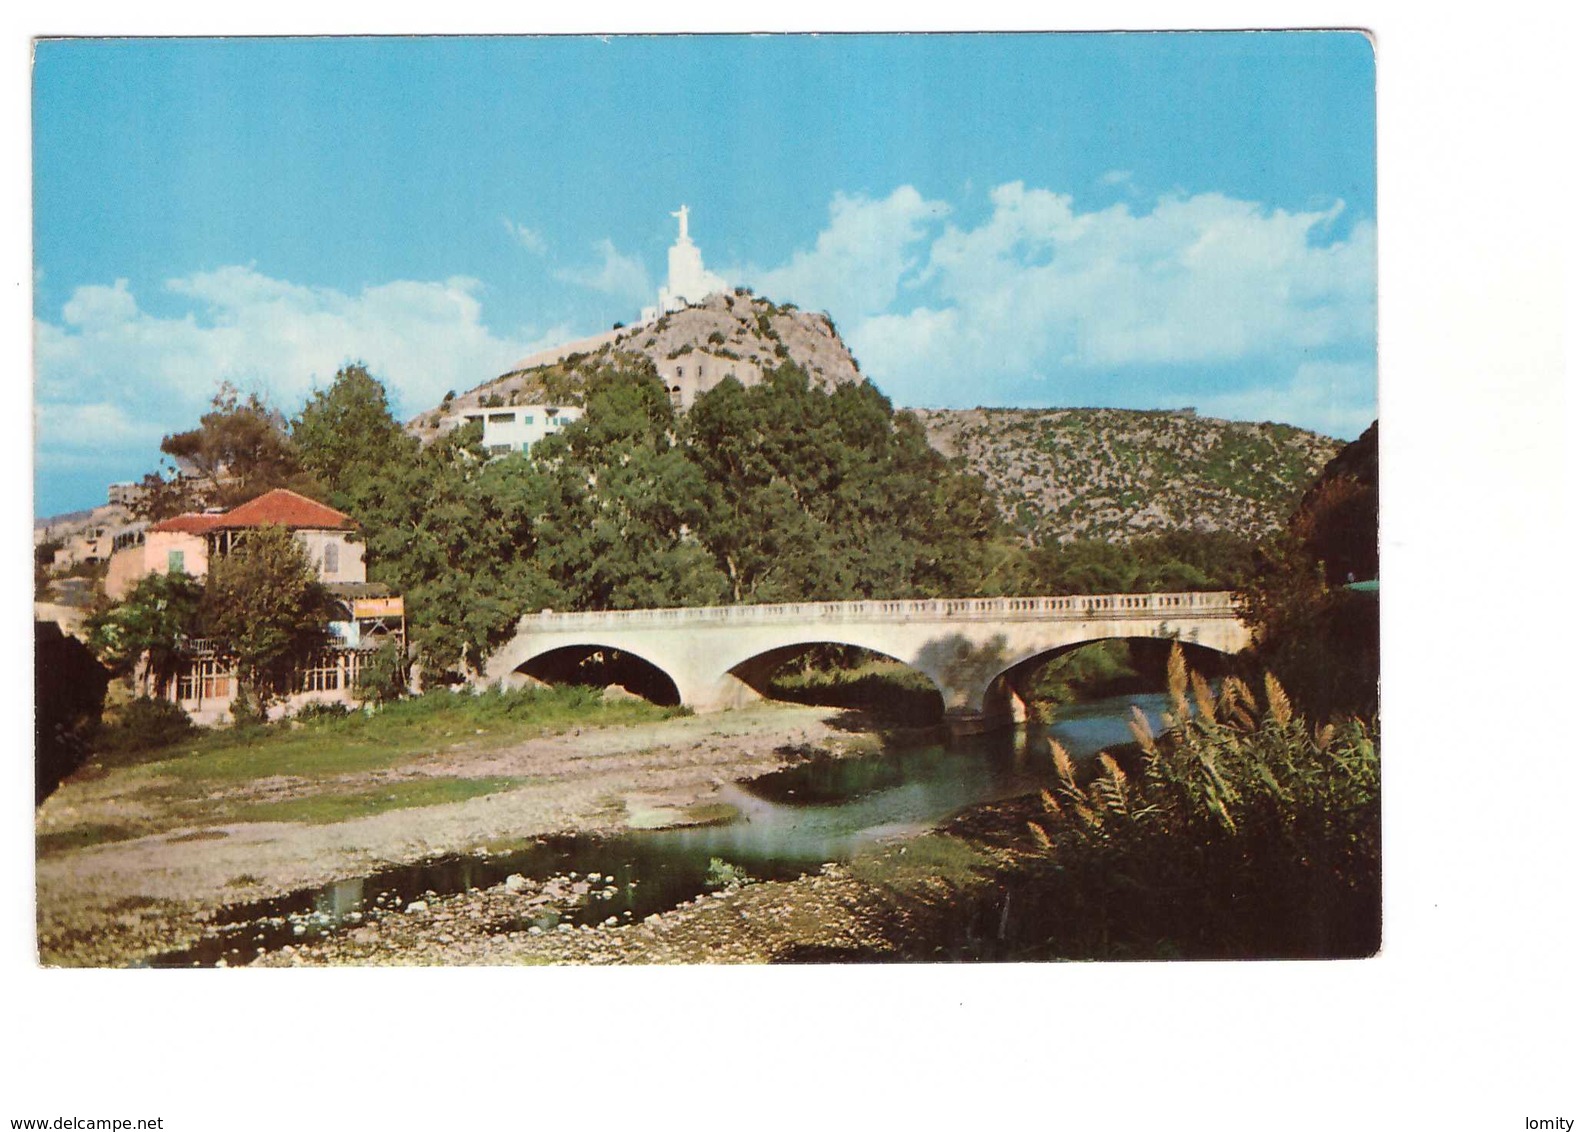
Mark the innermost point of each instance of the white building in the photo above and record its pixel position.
(515, 428)
(687, 281)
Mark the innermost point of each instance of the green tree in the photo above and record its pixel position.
(455, 533)
(263, 602)
(828, 495)
(150, 626)
(346, 433)
(164, 493)
(242, 449)
(1169, 563)
(623, 504)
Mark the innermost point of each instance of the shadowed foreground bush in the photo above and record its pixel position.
(145, 724)
(1245, 833)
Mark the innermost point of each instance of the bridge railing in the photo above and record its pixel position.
(1077, 607)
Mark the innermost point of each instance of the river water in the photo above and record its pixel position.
(788, 824)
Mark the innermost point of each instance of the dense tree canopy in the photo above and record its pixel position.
(827, 496)
(1170, 563)
(624, 508)
(780, 491)
(242, 445)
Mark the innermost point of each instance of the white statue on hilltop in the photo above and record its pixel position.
(687, 281)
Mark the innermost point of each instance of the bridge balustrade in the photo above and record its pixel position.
(1075, 607)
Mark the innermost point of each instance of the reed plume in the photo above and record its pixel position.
(1203, 698)
(1276, 697)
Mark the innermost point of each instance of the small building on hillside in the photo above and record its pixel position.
(514, 428)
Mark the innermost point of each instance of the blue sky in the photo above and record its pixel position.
(1139, 220)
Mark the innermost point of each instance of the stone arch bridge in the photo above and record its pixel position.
(972, 649)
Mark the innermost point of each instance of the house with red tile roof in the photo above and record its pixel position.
(370, 616)
(188, 542)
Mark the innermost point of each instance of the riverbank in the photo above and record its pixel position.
(122, 901)
(918, 898)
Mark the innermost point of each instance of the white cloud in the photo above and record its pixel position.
(91, 427)
(618, 275)
(1336, 398)
(1116, 177)
(861, 258)
(1041, 295)
(113, 375)
(530, 239)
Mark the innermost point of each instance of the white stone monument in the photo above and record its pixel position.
(687, 281)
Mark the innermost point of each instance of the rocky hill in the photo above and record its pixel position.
(734, 333)
(1116, 474)
(1056, 473)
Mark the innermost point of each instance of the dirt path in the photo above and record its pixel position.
(111, 904)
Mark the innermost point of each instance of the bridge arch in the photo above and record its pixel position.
(758, 670)
(1002, 692)
(599, 664)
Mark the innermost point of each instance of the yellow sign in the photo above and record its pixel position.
(377, 607)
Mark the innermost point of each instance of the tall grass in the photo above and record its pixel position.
(1240, 832)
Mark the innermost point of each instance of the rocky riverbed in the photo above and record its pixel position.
(829, 915)
(121, 902)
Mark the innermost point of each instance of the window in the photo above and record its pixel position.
(205, 680)
(176, 561)
(332, 558)
(503, 418)
(322, 674)
(216, 681)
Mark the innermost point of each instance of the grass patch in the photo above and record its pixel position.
(330, 745)
(324, 809)
(82, 837)
(923, 865)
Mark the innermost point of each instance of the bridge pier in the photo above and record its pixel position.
(1001, 706)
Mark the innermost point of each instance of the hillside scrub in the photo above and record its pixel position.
(1114, 475)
